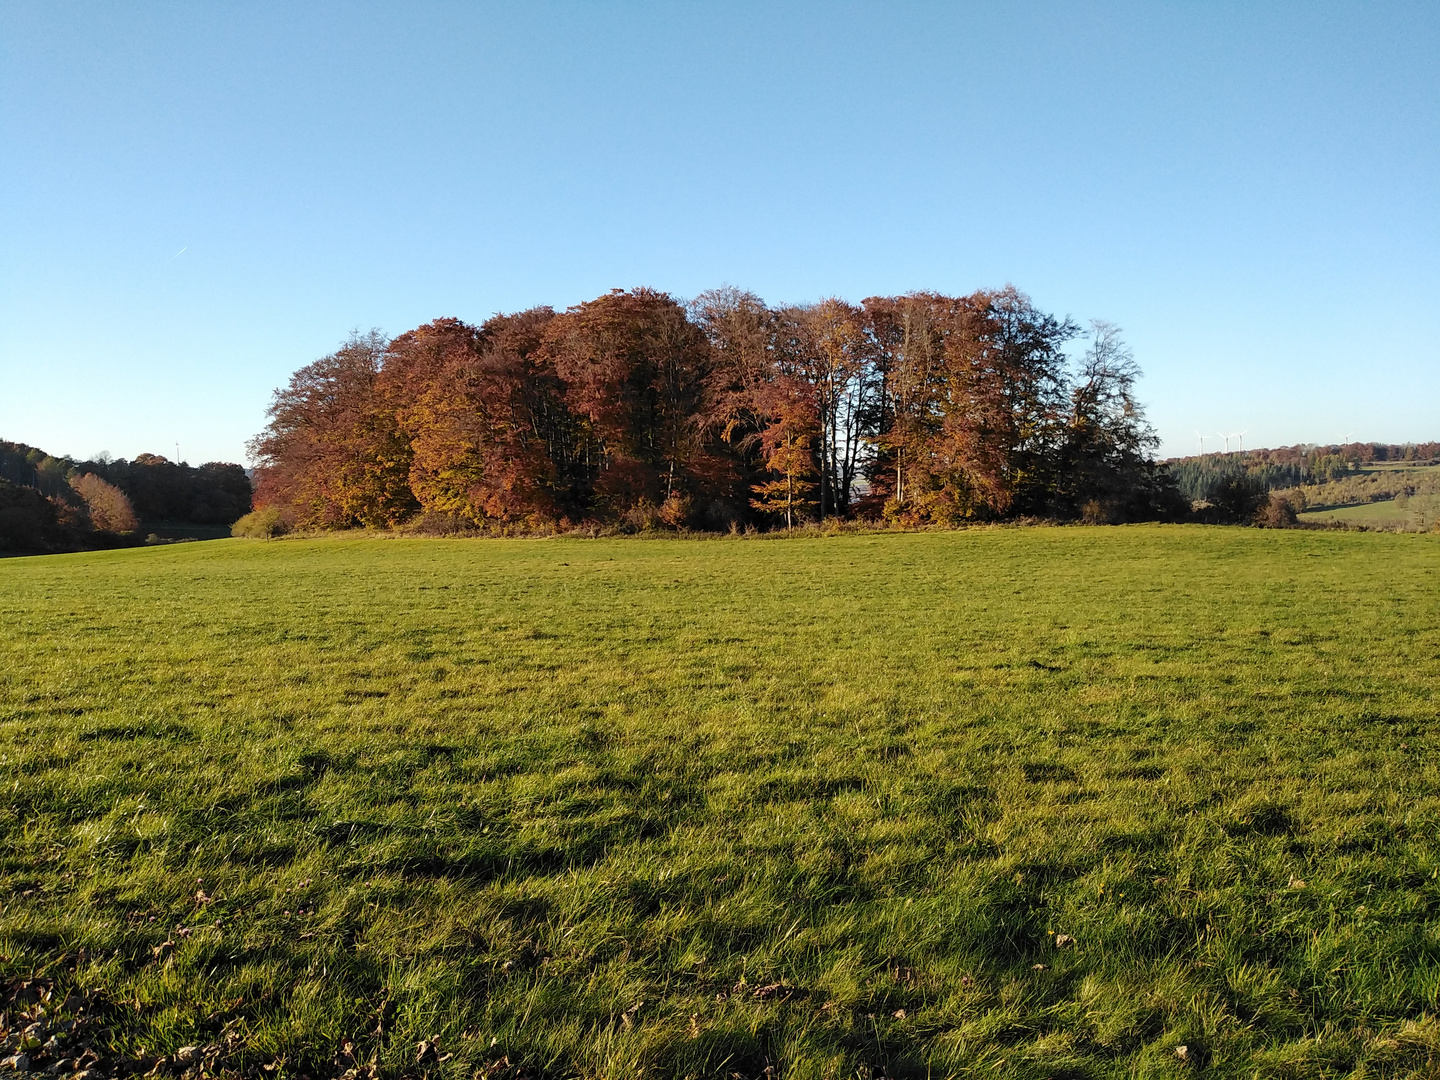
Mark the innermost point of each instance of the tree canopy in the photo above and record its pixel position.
(723, 411)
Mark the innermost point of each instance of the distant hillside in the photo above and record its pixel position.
(1308, 464)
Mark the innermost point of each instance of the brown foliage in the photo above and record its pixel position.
(1277, 512)
(635, 371)
(631, 408)
(109, 509)
(479, 408)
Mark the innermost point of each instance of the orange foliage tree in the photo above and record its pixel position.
(109, 508)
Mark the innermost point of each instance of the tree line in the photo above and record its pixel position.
(718, 413)
(50, 503)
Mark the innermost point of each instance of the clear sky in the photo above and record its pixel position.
(198, 198)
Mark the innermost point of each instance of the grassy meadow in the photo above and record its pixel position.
(1354, 500)
(1044, 802)
(1383, 514)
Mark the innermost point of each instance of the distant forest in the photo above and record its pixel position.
(50, 503)
(639, 410)
(1306, 465)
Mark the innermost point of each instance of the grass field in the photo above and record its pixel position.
(1407, 467)
(704, 808)
(1417, 513)
(1385, 513)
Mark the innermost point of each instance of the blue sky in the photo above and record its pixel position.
(197, 199)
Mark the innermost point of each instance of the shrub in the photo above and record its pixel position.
(263, 524)
(644, 516)
(1095, 512)
(1277, 512)
(677, 510)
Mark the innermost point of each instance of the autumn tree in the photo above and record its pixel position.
(332, 454)
(635, 372)
(787, 443)
(992, 409)
(109, 509)
(825, 347)
(907, 336)
(741, 332)
(483, 415)
(943, 409)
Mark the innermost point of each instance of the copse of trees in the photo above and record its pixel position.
(216, 493)
(725, 411)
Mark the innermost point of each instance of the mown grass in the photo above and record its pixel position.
(820, 805)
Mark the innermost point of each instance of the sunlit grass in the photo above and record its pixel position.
(704, 807)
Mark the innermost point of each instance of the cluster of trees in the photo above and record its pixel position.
(31, 467)
(90, 514)
(50, 503)
(216, 493)
(716, 413)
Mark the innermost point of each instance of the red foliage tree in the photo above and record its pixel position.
(483, 415)
(332, 455)
(635, 371)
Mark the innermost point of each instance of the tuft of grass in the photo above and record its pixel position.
(1031, 802)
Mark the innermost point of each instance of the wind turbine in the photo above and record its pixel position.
(1240, 440)
(1202, 443)
(1227, 440)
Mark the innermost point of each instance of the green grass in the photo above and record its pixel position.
(1406, 467)
(594, 808)
(1385, 512)
(1417, 513)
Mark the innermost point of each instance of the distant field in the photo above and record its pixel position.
(1417, 512)
(1401, 466)
(1386, 512)
(704, 808)
(1348, 499)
